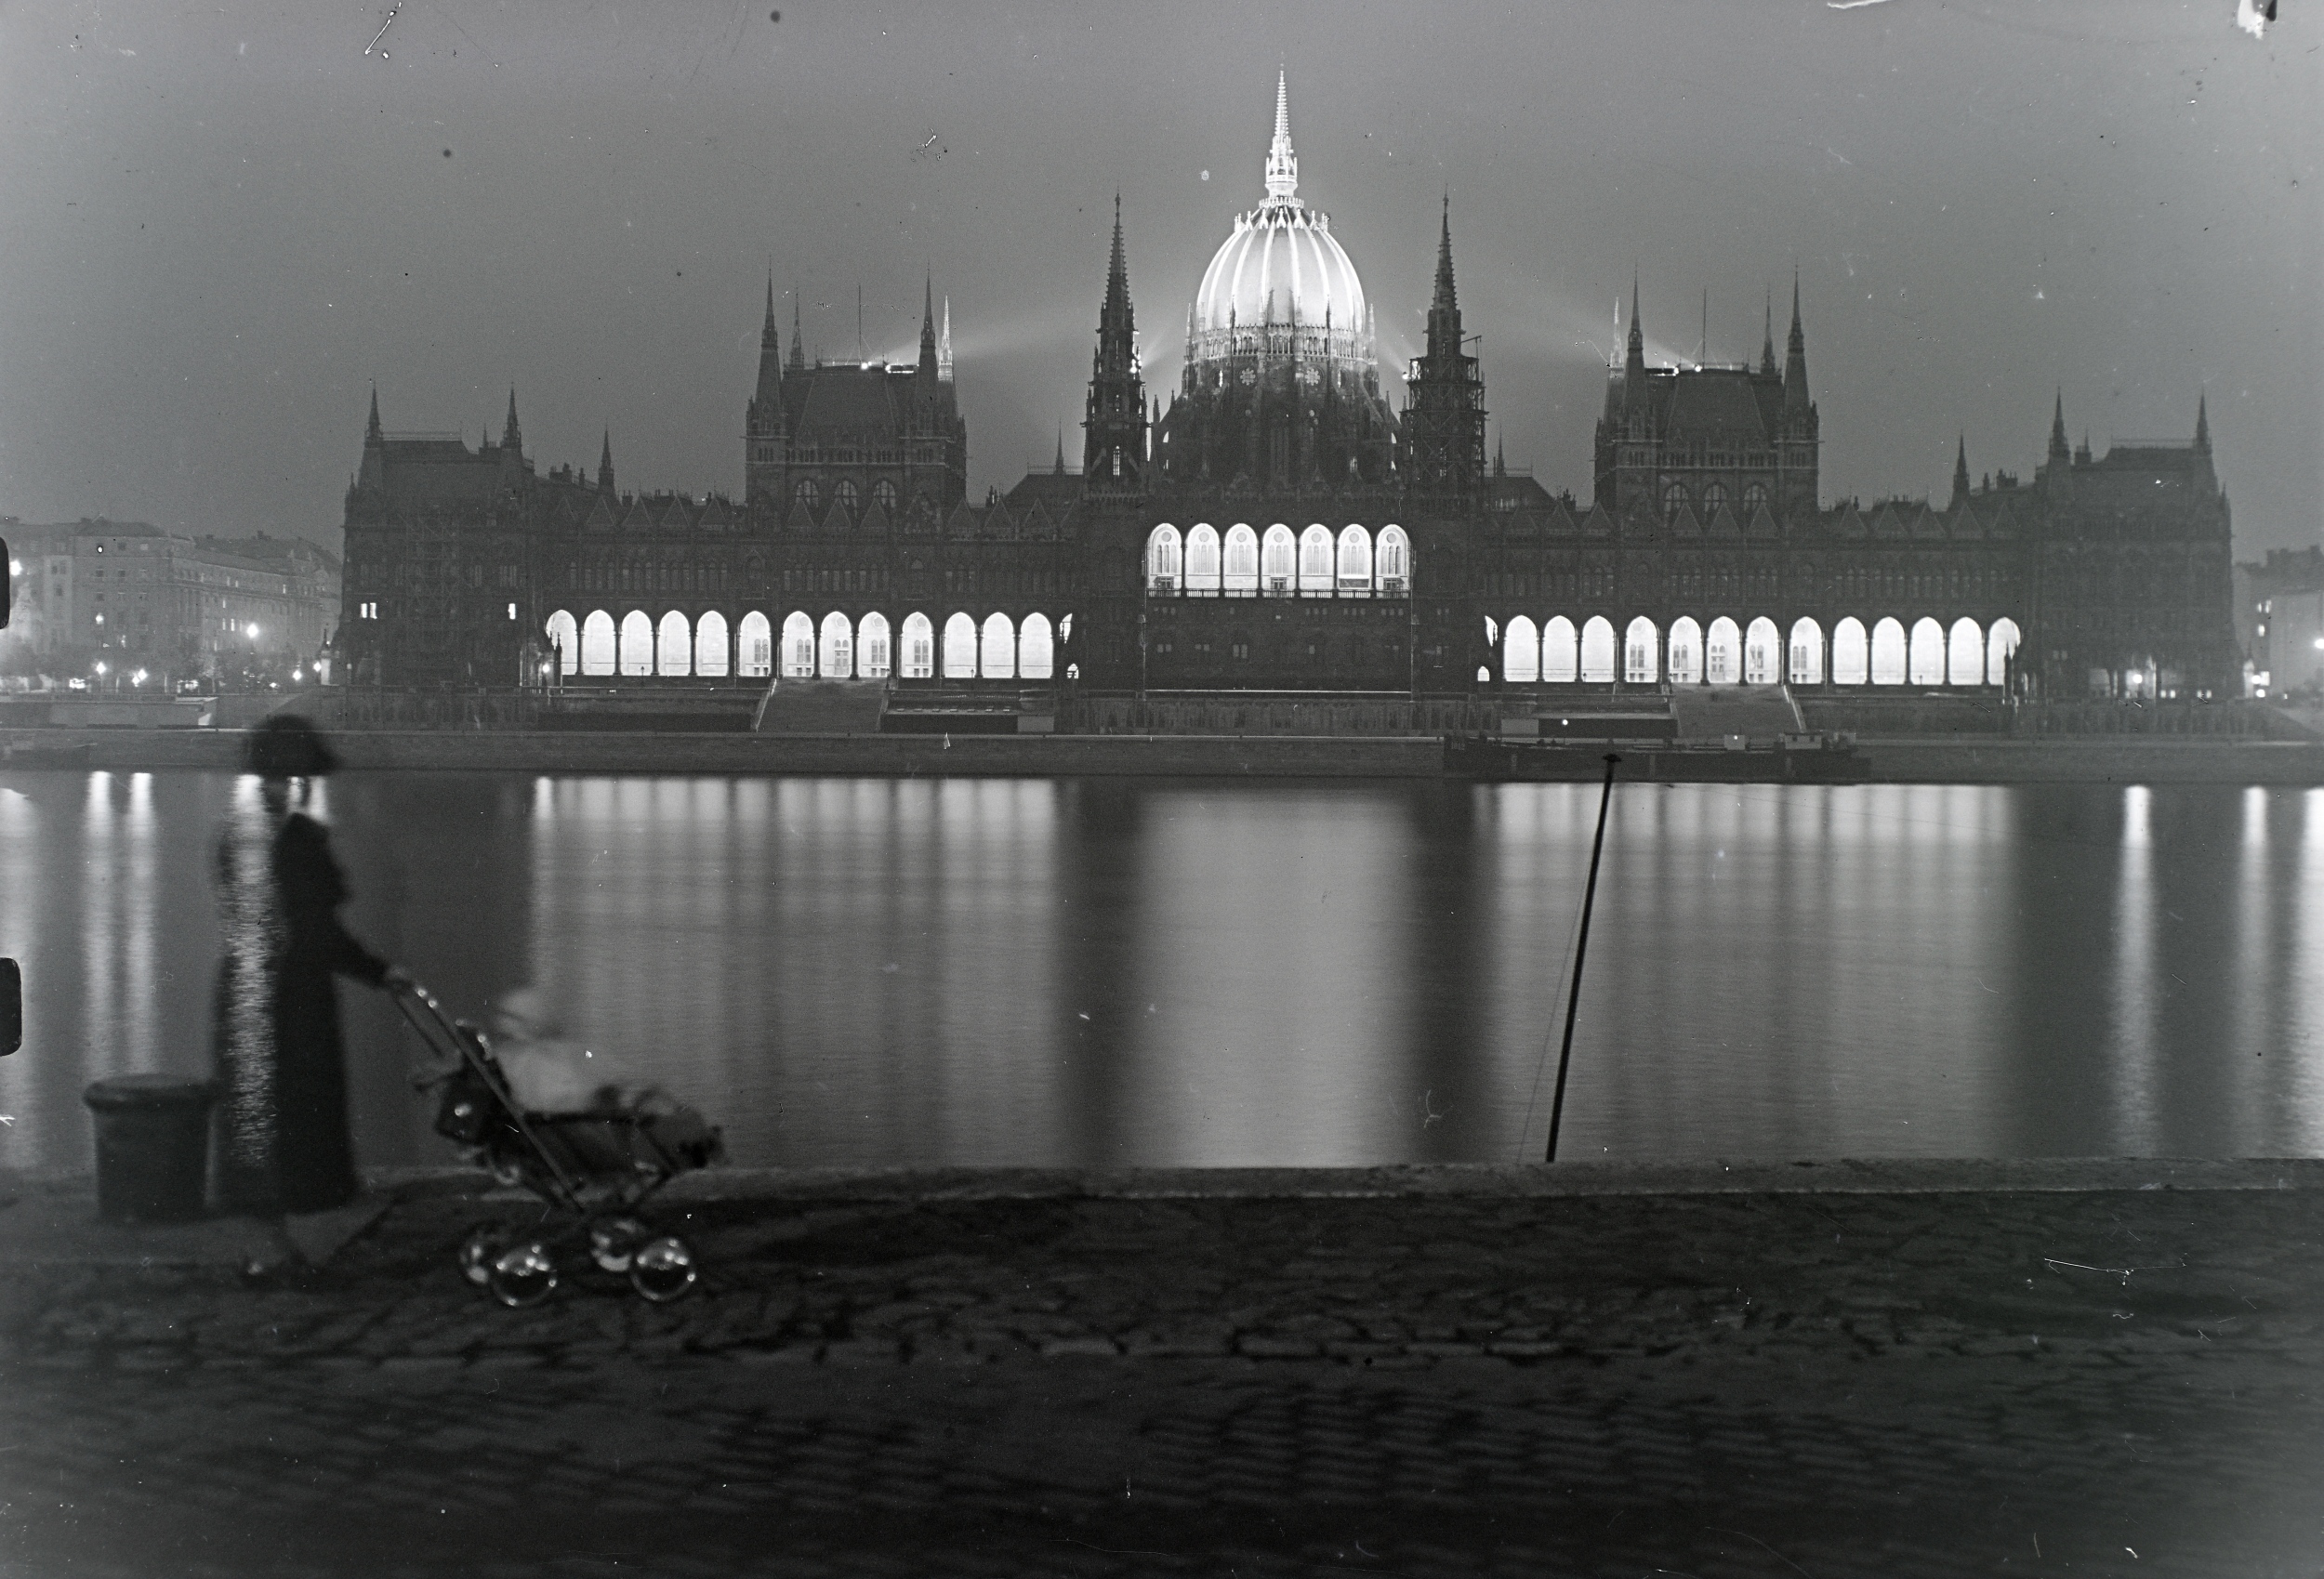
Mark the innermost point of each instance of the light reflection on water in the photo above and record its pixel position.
(875, 972)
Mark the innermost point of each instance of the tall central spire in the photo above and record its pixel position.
(1283, 165)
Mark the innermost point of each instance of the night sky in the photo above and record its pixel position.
(225, 222)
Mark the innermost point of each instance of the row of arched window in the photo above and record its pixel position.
(1758, 654)
(1675, 497)
(1243, 563)
(835, 648)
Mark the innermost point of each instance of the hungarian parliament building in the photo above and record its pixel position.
(1292, 519)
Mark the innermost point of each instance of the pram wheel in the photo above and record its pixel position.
(613, 1244)
(526, 1275)
(506, 1166)
(479, 1251)
(663, 1270)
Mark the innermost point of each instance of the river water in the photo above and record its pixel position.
(875, 972)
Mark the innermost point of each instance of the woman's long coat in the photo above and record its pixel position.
(283, 1137)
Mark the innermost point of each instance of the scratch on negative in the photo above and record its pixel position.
(2122, 1273)
(1746, 1534)
(1848, 5)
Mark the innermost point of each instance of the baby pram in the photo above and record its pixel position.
(591, 1170)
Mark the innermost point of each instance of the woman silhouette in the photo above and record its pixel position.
(284, 1147)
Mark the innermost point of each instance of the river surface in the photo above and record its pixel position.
(879, 972)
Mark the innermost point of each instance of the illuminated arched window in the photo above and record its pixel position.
(710, 645)
(1888, 654)
(755, 642)
(835, 652)
(1315, 558)
(1597, 650)
(798, 646)
(1202, 559)
(1395, 560)
(1964, 660)
(1762, 654)
(1037, 653)
(884, 494)
(1714, 495)
(872, 657)
(1687, 652)
(1999, 643)
(637, 643)
(1242, 558)
(597, 643)
(1928, 652)
(1851, 654)
(1278, 559)
(845, 496)
(920, 648)
(1521, 652)
(807, 495)
(1162, 559)
(959, 647)
(1560, 655)
(673, 653)
(1356, 559)
(1640, 660)
(1807, 652)
(1673, 500)
(1722, 654)
(564, 638)
(1754, 496)
(998, 656)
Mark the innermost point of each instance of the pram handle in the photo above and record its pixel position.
(467, 1047)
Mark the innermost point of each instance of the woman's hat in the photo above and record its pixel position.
(283, 745)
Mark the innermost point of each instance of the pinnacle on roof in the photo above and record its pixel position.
(2202, 425)
(371, 432)
(1767, 345)
(510, 436)
(2058, 427)
(605, 462)
(1637, 352)
(927, 323)
(799, 357)
(944, 344)
(1283, 165)
(1117, 266)
(1443, 258)
(1061, 448)
(769, 324)
(1960, 471)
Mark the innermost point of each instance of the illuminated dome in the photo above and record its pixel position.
(1281, 265)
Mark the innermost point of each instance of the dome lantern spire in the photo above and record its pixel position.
(1283, 165)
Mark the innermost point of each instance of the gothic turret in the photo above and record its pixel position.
(1961, 473)
(1767, 344)
(511, 435)
(2057, 428)
(1445, 423)
(605, 464)
(798, 354)
(1113, 444)
(766, 403)
(943, 345)
(928, 329)
(1795, 400)
(2202, 425)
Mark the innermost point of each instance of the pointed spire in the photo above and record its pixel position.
(2203, 424)
(1444, 258)
(1961, 472)
(1767, 344)
(1061, 448)
(928, 326)
(1117, 265)
(1795, 400)
(605, 463)
(767, 397)
(798, 354)
(2058, 427)
(944, 344)
(1283, 165)
(371, 430)
(1637, 345)
(769, 327)
(1500, 462)
(511, 436)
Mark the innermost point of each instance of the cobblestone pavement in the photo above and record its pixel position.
(1730, 1386)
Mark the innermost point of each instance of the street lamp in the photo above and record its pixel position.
(249, 630)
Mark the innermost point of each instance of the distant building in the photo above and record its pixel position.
(1289, 522)
(2279, 619)
(129, 592)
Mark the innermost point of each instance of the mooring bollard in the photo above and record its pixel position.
(153, 1147)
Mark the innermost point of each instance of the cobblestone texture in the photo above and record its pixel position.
(1708, 1385)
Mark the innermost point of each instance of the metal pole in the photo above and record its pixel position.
(1581, 946)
